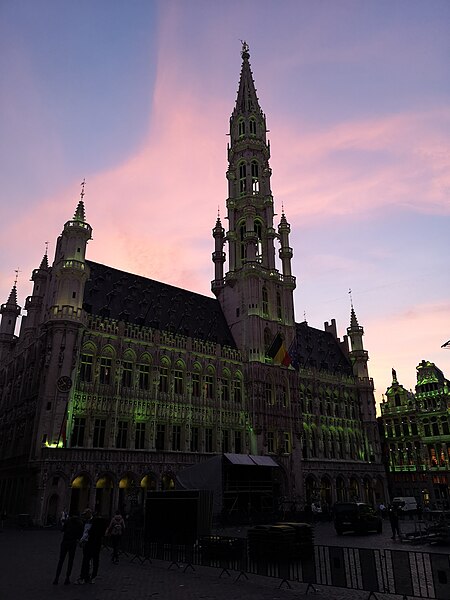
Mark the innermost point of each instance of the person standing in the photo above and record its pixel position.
(394, 520)
(115, 531)
(94, 544)
(85, 565)
(72, 532)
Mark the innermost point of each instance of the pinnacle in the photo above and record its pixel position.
(12, 300)
(79, 213)
(44, 262)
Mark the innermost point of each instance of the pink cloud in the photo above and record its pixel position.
(415, 333)
(400, 160)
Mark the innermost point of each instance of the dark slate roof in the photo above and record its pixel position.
(320, 350)
(127, 297)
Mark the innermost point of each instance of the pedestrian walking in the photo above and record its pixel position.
(115, 531)
(72, 532)
(394, 520)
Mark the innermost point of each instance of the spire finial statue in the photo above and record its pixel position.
(16, 271)
(245, 49)
(83, 183)
(351, 298)
(46, 248)
(394, 376)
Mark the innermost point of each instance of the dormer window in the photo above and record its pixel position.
(241, 127)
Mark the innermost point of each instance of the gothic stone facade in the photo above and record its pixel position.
(416, 437)
(116, 382)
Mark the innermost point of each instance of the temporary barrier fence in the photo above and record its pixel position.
(407, 573)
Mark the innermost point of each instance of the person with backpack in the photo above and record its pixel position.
(115, 532)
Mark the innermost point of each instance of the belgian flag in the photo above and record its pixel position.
(278, 353)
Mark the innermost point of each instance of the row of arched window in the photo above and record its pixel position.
(245, 184)
(242, 126)
(142, 374)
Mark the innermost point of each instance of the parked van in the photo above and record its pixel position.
(407, 504)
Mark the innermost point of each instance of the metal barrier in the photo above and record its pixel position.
(407, 573)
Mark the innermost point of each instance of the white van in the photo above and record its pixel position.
(407, 504)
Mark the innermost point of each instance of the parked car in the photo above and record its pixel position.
(356, 517)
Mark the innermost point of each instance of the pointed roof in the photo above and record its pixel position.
(353, 318)
(247, 101)
(44, 262)
(79, 213)
(12, 300)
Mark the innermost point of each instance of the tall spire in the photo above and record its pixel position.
(247, 101)
(256, 298)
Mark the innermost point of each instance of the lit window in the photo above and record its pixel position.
(255, 177)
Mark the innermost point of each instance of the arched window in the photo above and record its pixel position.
(252, 126)
(242, 178)
(237, 388)
(241, 127)
(225, 381)
(258, 230)
(196, 381)
(255, 176)
(265, 302)
(242, 231)
(279, 311)
(86, 363)
(178, 377)
(144, 372)
(105, 366)
(209, 383)
(127, 368)
(164, 375)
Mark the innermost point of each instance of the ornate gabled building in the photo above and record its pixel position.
(118, 384)
(416, 437)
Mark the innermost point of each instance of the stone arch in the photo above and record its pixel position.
(325, 491)
(53, 511)
(341, 489)
(311, 489)
(167, 481)
(354, 489)
(128, 492)
(80, 490)
(104, 491)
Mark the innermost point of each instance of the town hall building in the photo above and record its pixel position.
(118, 384)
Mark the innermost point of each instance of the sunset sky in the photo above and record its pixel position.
(136, 95)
